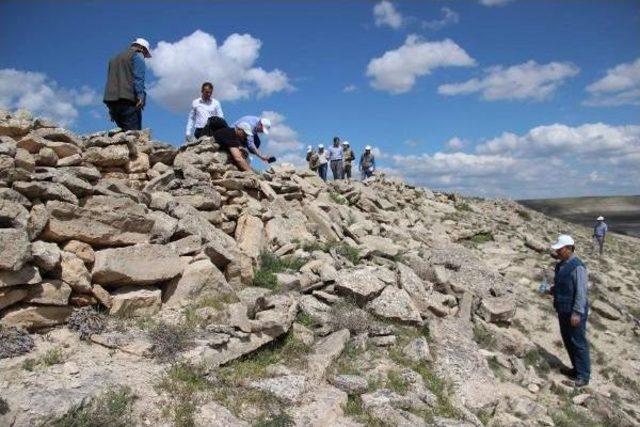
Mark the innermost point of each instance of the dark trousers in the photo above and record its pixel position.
(347, 170)
(125, 114)
(337, 169)
(322, 171)
(576, 344)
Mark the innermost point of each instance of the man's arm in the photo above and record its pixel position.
(251, 146)
(190, 121)
(218, 111)
(580, 282)
(139, 69)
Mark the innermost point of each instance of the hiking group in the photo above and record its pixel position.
(339, 157)
(125, 97)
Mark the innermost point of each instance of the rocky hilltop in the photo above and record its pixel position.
(142, 284)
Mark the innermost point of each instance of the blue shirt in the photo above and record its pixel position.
(600, 229)
(254, 122)
(139, 69)
(334, 153)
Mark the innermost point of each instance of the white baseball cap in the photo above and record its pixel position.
(266, 125)
(145, 44)
(563, 240)
(368, 147)
(345, 142)
(600, 218)
(245, 127)
(320, 145)
(309, 148)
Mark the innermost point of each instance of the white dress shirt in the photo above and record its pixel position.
(200, 112)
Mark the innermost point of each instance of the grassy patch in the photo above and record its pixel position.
(111, 408)
(182, 382)
(305, 320)
(338, 198)
(281, 419)
(396, 382)
(524, 215)
(536, 359)
(463, 207)
(270, 265)
(349, 252)
(354, 409)
(570, 416)
(52, 357)
(484, 338)
(483, 237)
(345, 314)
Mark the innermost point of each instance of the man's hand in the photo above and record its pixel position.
(139, 104)
(575, 320)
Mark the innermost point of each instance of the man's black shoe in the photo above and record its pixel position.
(578, 383)
(568, 372)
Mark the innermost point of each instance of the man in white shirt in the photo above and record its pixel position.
(201, 110)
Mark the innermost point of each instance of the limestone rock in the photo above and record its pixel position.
(32, 317)
(13, 215)
(12, 295)
(198, 279)
(38, 219)
(395, 304)
(361, 284)
(288, 388)
(497, 309)
(213, 414)
(135, 265)
(15, 249)
(605, 310)
(45, 191)
(418, 350)
(135, 301)
(27, 275)
(380, 246)
(49, 292)
(75, 273)
(113, 155)
(46, 255)
(351, 384)
(80, 249)
(249, 235)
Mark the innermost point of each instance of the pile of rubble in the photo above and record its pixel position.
(139, 229)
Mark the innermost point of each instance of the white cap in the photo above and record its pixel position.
(246, 127)
(266, 125)
(600, 218)
(144, 44)
(320, 145)
(563, 240)
(368, 147)
(309, 148)
(345, 142)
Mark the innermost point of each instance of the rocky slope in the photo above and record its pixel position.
(146, 285)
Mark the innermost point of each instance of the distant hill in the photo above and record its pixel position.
(622, 213)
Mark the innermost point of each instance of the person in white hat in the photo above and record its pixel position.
(323, 162)
(367, 163)
(348, 157)
(234, 139)
(124, 92)
(258, 125)
(599, 232)
(312, 159)
(571, 303)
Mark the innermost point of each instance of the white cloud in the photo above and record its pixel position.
(547, 161)
(456, 144)
(494, 2)
(282, 138)
(42, 96)
(350, 88)
(620, 86)
(182, 66)
(449, 17)
(527, 80)
(385, 13)
(397, 70)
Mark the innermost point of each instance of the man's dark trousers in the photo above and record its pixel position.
(575, 341)
(125, 114)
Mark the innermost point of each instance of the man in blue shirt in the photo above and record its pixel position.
(599, 232)
(258, 125)
(124, 92)
(572, 305)
(334, 156)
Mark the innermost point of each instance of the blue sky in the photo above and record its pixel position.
(487, 97)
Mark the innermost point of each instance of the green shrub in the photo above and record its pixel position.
(483, 237)
(338, 198)
(281, 419)
(270, 265)
(524, 215)
(484, 338)
(265, 279)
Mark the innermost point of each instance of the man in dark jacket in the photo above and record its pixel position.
(124, 92)
(572, 305)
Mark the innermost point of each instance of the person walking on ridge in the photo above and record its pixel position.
(322, 162)
(124, 92)
(201, 110)
(599, 232)
(367, 163)
(348, 156)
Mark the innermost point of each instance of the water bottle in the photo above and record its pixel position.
(544, 285)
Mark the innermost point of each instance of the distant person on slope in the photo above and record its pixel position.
(322, 162)
(335, 159)
(599, 232)
(348, 156)
(233, 139)
(571, 302)
(312, 159)
(202, 109)
(367, 163)
(258, 125)
(124, 92)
